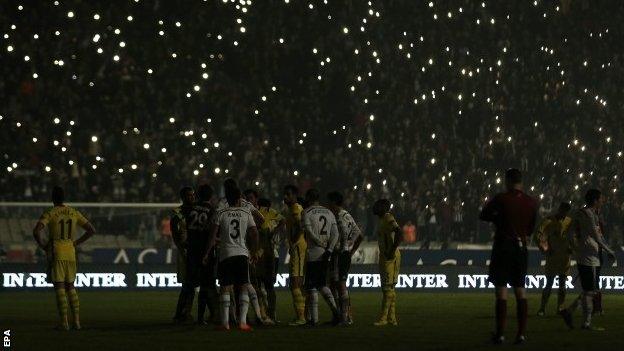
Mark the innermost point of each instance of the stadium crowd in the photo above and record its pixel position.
(423, 103)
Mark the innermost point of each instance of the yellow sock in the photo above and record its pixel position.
(385, 305)
(61, 305)
(298, 302)
(392, 309)
(75, 306)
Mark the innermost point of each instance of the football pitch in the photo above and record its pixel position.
(139, 320)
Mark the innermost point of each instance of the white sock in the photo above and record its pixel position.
(225, 309)
(314, 305)
(344, 304)
(253, 298)
(243, 307)
(329, 298)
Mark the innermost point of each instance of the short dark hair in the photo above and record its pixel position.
(232, 195)
(204, 192)
(58, 195)
(184, 190)
(263, 202)
(229, 183)
(513, 176)
(565, 206)
(291, 188)
(312, 195)
(383, 205)
(250, 191)
(335, 198)
(591, 196)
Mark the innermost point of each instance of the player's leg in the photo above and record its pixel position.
(224, 301)
(387, 289)
(58, 277)
(598, 295)
(297, 265)
(522, 313)
(561, 292)
(243, 306)
(500, 311)
(550, 279)
(394, 269)
(269, 286)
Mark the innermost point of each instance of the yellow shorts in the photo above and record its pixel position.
(389, 270)
(63, 271)
(297, 259)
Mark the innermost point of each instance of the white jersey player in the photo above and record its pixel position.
(321, 233)
(237, 231)
(350, 240)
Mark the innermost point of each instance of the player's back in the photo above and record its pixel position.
(233, 223)
(63, 222)
(348, 229)
(197, 219)
(292, 214)
(518, 212)
(320, 222)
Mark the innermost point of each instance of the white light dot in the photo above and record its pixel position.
(116, 58)
(70, 14)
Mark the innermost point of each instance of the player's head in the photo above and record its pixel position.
(312, 197)
(290, 194)
(252, 196)
(233, 195)
(262, 202)
(513, 179)
(381, 207)
(563, 210)
(187, 195)
(229, 183)
(335, 200)
(205, 192)
(58, 195)
(593, 198)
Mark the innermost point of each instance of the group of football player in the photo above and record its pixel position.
(235, 241)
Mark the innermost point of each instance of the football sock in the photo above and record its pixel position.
(179, 305)
(546, 292)
(501, 316)
(202, 300)
(329, 298)
(224, 299)
(385, 304)
(75, 305)
(344, 305)
(561, 294)
(243, 306)
(598, 301)
(213, 302)
(233, 307)
(262, 299)
(271, 302)
(392, 308)
(253, 298)
(298, 302)
(587, 302)
(189, 292)
(522, 311)
(61, 305)
(313, 305)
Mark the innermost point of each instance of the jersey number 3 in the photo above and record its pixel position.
(234, 229)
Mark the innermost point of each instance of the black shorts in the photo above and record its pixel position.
(508, 264)
(316, 274)
(234, 271)
(340, 266)
(198, 274)
(589, 277)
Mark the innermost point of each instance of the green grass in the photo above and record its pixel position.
(141, 321)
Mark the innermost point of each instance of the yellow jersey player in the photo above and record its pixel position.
(297, 251)
(62, 222)
(389, 236)
(554, 244)
(270, 239)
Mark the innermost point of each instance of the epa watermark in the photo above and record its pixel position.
(6, 339)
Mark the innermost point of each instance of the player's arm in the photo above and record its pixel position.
(89, 232)
(37, 234)
(258, 217)
(398, 239)
(599, 238)
(212, 241)
(541, 237)
(176, 232)
(358, 238)
(490, 211)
